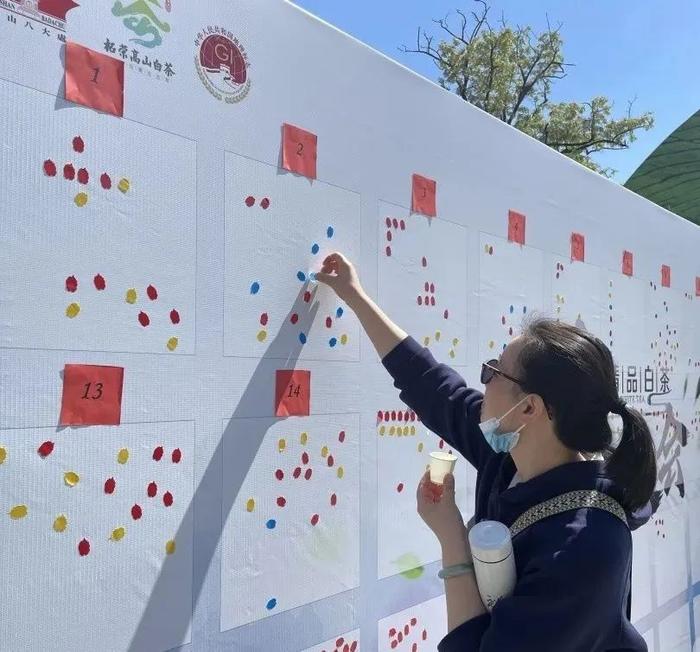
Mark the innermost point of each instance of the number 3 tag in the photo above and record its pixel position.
(92, 395)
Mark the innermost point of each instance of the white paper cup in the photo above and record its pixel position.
(440, 465)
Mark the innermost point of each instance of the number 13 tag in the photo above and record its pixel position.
(92, 395)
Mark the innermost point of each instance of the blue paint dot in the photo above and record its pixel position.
(312, 276)
(271, 524)
(332, 341)
(524, 309)
(314, 248)
(301, 276)
(329, 232)
(339, 312)
(302, 338)
(511, 310)
(504, 347)
(272, 603)
(255, 287)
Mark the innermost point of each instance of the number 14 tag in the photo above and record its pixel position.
(292, 392)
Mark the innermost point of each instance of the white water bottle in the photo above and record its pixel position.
(494, 562)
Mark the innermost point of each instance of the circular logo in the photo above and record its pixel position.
(222, 65)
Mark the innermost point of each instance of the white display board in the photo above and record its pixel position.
(198, 446)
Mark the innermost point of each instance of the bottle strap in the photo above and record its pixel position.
(588, 498)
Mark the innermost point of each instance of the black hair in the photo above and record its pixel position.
(574, 373)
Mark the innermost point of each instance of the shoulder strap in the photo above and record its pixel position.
(565, 502)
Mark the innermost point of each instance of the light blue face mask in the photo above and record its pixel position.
(501, 442)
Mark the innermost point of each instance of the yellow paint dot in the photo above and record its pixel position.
(343, 339)
(281, 445)
(170, 547)
(304, 437)
(131, 296)
(491, 344)
(486, 249)
(406, 430)
(123, 456)
(71, 478)
(452, 353)
(172, 343)
(382, 430)
(262, 336)
(81, 199)
(455, 341)
(392, 430)
(420, 447)
(60, 524)
(426, 341)
(250, 505)
(413, 430)
(123, 185)
(437, 335)
(118, 534)
(18, 511)
(72, 310)
(324, 452)
(341, 472)
(3, 454)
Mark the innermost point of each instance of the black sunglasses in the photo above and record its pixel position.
(490, 369)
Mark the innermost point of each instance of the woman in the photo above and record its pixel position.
(530, 436)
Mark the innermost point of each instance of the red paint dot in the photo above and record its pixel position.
(510, 331)
(158, 453)
(297, 472)
(406, 416)
(392, 632)
(71, 284)
(388, 236)
(400, 637)
(308, 473)
(341, 436)
(281, 501)
(45, 449)
(388, 222)
(432, 301)
(294, 318)
(329, 322)
(307, 296)
(249, 201)
(339, 642)
(394, 644)
(427, 300)
(265, 203)
(393, 415)
(279, 474)
(432, 288)
(78, 144)
(353, 647)
(152, 293)
(304, 458)
(167, 499)
(334, 500)
(105, 181)
(395, 222)
(144, 319)
(84, 548)
(314, 519)
(49, 168)
(330, 460)
(446, 314)
(152, 490)
(441, 444)
(263, 319)
(414, 647)
(413, 416)
(99, 282)
(69, 172)
(136, 512)
(425, 635)
(83, 176)
(399, 488)
(388, 251)
(402, 224)
(419, 299)
(380, 415)
(110, 485)
(174, 316)
(427, 286)
(406, 629)
(424, 261)
(400, 416)
(387, 416)
(413, 622)
(176, 456)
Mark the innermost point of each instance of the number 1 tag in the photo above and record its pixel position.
(92, 395)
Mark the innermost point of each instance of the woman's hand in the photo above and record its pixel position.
(437, 507)
(339, 274)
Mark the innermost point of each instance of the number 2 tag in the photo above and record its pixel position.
(299, 151)
(92, 395)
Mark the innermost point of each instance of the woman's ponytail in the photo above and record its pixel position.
(633, 462)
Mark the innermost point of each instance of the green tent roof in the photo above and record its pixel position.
(670, 176)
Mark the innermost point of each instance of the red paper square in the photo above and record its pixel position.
(292, 392)
(423, 196)
(697, 286)
(94, 79)
(627, 263)
(299, 151)
(665, 276)
(516, 227)
(92, 395)
(578, 247)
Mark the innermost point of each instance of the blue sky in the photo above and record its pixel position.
(646, 49)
